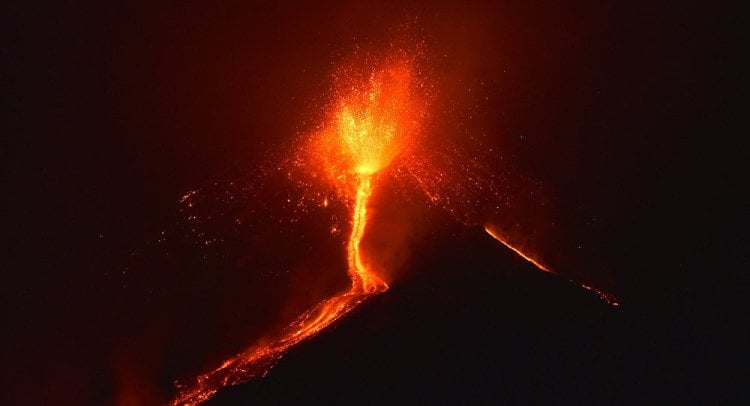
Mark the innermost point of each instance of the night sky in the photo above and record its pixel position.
(626, 117)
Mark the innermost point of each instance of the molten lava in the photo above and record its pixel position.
(370, 125)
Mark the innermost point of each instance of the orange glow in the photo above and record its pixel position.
(370, 125)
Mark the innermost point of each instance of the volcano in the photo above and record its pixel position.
(373, 202)
(473, 323)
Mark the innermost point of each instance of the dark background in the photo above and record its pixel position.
(628, 114)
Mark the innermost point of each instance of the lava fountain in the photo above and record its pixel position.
(371, 122)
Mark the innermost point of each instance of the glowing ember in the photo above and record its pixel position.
(370, 126)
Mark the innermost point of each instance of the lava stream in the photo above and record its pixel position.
(257, 361)
(362, 280)
(607, 297)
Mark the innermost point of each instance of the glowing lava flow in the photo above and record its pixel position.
(371, 125)
(607, 297)
(362, 279)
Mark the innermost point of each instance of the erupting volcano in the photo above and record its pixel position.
(376, 116)
(414, 202)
